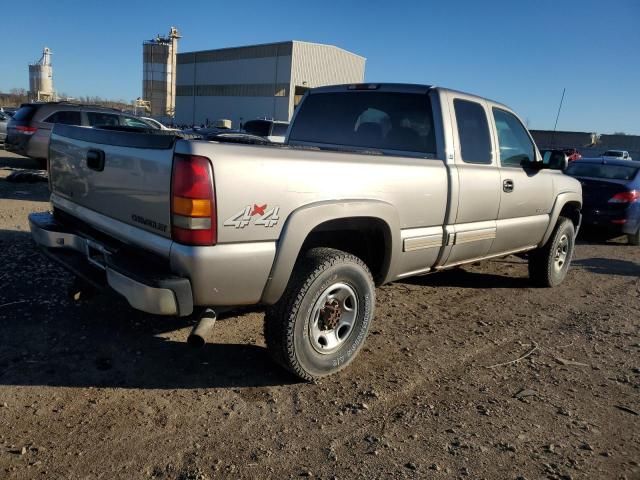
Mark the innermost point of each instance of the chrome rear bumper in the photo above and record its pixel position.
(143, 283)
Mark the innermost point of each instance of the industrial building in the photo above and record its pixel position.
(159, 74)
(41, 79)
(258, 81)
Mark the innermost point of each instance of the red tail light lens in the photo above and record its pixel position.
(625, 197)
(26, 130)
(193, 209)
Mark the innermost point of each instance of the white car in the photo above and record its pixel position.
(273, 130)
(156, 124)
(616, 155)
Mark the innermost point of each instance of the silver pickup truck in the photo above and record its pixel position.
(376, 182)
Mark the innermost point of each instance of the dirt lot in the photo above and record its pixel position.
(97, 390)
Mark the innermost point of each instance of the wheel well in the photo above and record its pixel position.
(367, 238)
(571, 210)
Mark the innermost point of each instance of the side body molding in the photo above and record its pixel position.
(561, 200)
(303, 220)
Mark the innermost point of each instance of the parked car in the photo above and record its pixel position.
(555, 158)
(572, 154)
(377, 182)
(156, 124)
(4, 120)
(616, 155)
(272, 130)
(611, 191)
(29, 130)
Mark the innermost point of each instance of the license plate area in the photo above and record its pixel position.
(97, 255)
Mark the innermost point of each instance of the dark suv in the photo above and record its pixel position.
(29, 130)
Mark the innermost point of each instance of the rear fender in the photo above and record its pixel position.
(302, 221)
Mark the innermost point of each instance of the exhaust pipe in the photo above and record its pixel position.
(198, 336)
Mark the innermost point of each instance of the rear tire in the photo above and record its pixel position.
(548, 265)
(319, 325)
(634, 238)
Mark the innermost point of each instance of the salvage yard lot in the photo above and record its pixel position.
(98, 390)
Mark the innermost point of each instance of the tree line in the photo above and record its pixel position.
(17, 96)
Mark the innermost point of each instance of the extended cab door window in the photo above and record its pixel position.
(515, 145)
(473, 132)
(477, 181)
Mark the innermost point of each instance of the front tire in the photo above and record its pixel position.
(319, 325)
(548, 265)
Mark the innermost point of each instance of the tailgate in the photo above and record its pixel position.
(123, 175)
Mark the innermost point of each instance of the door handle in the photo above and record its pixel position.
(95, 160)
(507, 185)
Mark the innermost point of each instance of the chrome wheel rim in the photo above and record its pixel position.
(333, 317)
(561, 254)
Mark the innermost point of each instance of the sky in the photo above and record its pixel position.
(521, 53)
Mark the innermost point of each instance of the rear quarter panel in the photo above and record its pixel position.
(262, 179)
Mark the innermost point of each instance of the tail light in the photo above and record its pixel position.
(193, 209)
(625, 197)
(26, 130)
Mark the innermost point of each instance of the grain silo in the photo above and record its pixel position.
(41, 79)
(159, 74)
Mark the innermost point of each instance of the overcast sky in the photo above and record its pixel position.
(518, 52)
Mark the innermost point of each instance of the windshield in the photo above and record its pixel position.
(599, 170)
(376, 120)
(612, 153)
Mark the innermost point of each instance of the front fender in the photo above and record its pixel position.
(303, 220)
(561, 200)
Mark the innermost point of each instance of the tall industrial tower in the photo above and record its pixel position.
(41, 79)
(159, 73)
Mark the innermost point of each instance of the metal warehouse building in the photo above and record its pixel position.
(258, 81)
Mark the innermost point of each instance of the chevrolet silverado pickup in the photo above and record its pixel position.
(375, 183)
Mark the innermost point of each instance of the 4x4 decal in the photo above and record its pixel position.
(266, 218)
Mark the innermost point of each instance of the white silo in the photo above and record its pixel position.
(159, 74)
(41, 78)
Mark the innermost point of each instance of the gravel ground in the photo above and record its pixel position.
(97, 390)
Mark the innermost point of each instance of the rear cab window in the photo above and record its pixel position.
(389, 122)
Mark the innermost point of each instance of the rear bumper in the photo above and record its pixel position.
(140, 279)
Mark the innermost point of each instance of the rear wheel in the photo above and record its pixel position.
(548, 265)
(320, 323)
(634, 238)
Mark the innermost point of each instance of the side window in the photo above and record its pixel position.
(99, 119)
(515, 145)
(65, 117)
(473, 132)
(134, 122)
